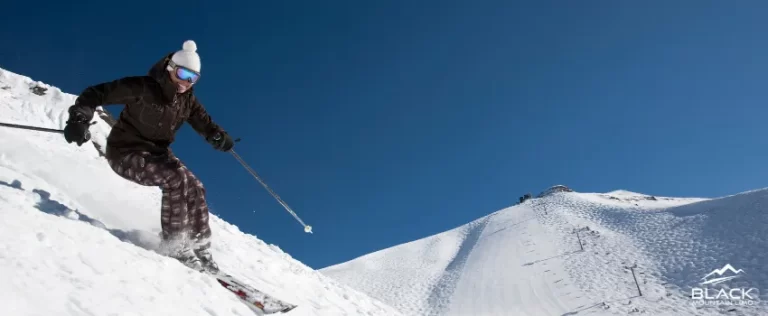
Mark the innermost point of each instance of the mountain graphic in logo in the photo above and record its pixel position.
(720, 272)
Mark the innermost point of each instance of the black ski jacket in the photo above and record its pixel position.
(153, 111)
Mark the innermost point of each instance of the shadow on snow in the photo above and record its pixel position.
(47, 205)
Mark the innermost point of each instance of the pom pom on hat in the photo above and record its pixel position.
(187, 56)
(189, 46)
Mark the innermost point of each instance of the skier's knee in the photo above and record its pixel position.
(174, 179)
(193, 180)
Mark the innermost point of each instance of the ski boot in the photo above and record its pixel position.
(188, 258)
(177, 247)
(206, 260)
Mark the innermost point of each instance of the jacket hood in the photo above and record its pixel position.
(157, 71)
(160, 74)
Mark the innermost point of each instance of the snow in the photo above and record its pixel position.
(76, 239)
(527, 260)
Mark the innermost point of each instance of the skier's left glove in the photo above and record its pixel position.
(221, 141)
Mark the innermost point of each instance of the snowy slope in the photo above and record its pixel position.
(76, 239)
(526, 259)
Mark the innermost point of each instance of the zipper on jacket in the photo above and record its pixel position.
(174, 113)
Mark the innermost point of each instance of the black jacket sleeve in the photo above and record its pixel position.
(121, 91)
(200, 121)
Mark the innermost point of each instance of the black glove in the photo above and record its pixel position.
(77, 129)
(222, 141)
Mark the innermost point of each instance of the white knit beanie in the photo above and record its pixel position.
(188, 57)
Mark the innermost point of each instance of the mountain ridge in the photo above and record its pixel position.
(535, 247)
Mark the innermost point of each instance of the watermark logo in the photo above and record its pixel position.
(724, 295)
(720, 273)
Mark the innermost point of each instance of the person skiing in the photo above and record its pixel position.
(138, 146)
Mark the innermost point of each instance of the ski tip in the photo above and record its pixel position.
(288, 309)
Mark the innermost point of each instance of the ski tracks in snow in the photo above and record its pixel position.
(520, 272)
(506, 263)
(440, 296)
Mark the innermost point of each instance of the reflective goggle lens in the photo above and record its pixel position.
(187, 75)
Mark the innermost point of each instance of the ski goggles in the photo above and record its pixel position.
(184, 73)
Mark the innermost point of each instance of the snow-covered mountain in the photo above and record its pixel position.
(70, 245)
(527, 259)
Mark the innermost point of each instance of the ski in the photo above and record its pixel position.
(257, 300)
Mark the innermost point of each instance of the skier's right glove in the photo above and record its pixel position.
(77, 129)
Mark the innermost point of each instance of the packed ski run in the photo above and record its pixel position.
(78, 240)
(70, 241)
(528, 259)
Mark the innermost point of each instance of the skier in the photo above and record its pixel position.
(138, 150)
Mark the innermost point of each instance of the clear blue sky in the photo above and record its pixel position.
(381, 122)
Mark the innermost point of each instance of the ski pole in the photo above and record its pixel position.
(34, 128)
(307, 228)
(44, 129)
